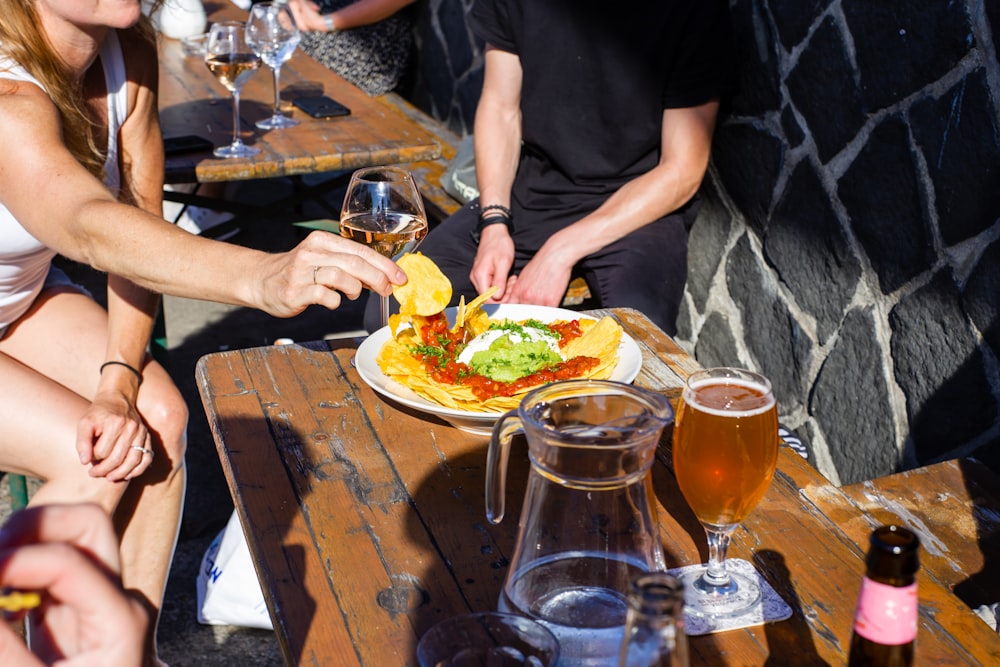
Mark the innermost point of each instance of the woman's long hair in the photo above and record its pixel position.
(22, 39)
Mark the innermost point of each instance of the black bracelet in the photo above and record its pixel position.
(494, 207)
(135, 371)
(491, 220)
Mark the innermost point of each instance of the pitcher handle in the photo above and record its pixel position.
(496, 464)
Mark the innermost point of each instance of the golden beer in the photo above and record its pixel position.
(725, 447)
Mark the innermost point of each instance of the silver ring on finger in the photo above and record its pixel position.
(144, 450)
(315, 271)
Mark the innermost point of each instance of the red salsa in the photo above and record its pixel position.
(441, 348)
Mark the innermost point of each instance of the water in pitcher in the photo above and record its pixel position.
(588, 620)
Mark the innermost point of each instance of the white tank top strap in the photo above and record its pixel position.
(116, 81)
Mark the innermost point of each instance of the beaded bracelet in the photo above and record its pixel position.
(494, 207)
(135, 371)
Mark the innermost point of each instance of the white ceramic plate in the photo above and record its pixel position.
(629, 362)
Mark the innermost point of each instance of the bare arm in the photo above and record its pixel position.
(498, 149)
(132, 308)
(69, 210)
(355, 15)
(686, 139)
(111, 432)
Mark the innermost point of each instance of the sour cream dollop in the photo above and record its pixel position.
(520, 335)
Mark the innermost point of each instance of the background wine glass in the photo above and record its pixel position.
(273, 35)
(231, 60)
(383, 210)
(725, 450)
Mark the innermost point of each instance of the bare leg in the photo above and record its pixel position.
(49, 361)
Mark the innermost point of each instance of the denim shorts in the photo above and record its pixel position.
(56, 277)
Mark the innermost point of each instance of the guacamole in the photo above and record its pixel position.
(508, 353)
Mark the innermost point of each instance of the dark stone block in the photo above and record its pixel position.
(794, 134)
(850, 402)
(706, 245)
(961, 144)
(940, 369)
(793, 18)
(989, 454)
(993, 18)
(685, 323)
(883, 201)
(715, 345)
(901, 46)
(982, 296)
(458, 39)
(748, 160)
(779, 347)
(757, 60)
(807, 246)
(823, 88)
(469, 89)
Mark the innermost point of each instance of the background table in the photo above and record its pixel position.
(191, 101)
(367, 525)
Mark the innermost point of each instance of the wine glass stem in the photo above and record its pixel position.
(718, 545)
(276, 71)
(236, 117)
(384, 303)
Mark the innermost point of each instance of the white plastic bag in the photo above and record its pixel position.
(228, 590)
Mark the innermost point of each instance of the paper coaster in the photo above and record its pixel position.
(770, 608)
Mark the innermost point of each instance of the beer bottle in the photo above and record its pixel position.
(654, 623)
(885, 623)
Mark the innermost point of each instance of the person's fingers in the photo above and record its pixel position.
(115, 450)
(337, 245)
(13, 650)
(84, 525)
(94, 614)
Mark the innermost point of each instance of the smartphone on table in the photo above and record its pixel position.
(189, 143)
(321, 106)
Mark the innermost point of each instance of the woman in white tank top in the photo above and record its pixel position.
(83, 407)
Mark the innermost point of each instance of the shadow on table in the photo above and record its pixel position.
(983, 488)
(789, 642)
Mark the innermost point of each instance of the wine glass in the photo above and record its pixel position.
(383, 210)
(273, 35)
(231, 60)
(725, 450)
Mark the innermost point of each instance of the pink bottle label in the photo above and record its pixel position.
(886, 614)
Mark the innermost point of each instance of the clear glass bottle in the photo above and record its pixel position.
(885, 623)
(654, 625)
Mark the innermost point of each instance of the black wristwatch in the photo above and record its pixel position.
(487, 219)
(491, 220)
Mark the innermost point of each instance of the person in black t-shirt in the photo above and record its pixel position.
(592, 137)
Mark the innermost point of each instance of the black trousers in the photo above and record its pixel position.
(645, 270)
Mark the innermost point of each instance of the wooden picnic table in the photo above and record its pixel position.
(367, 525)
(191, 101)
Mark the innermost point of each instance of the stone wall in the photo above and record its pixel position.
(849, 245)
(850, 249)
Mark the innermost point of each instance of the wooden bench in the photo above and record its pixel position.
(428, 174)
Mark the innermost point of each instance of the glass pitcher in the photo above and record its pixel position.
(588, 523)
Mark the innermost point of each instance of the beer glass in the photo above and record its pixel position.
(725, 450)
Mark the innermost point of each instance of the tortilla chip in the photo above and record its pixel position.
(600, 339)
(422, 303)
(427, 290)
(472, 307)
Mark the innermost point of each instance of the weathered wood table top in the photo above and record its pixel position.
(367, 525)
(191, 101)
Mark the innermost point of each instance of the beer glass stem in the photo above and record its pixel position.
(716, 575)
